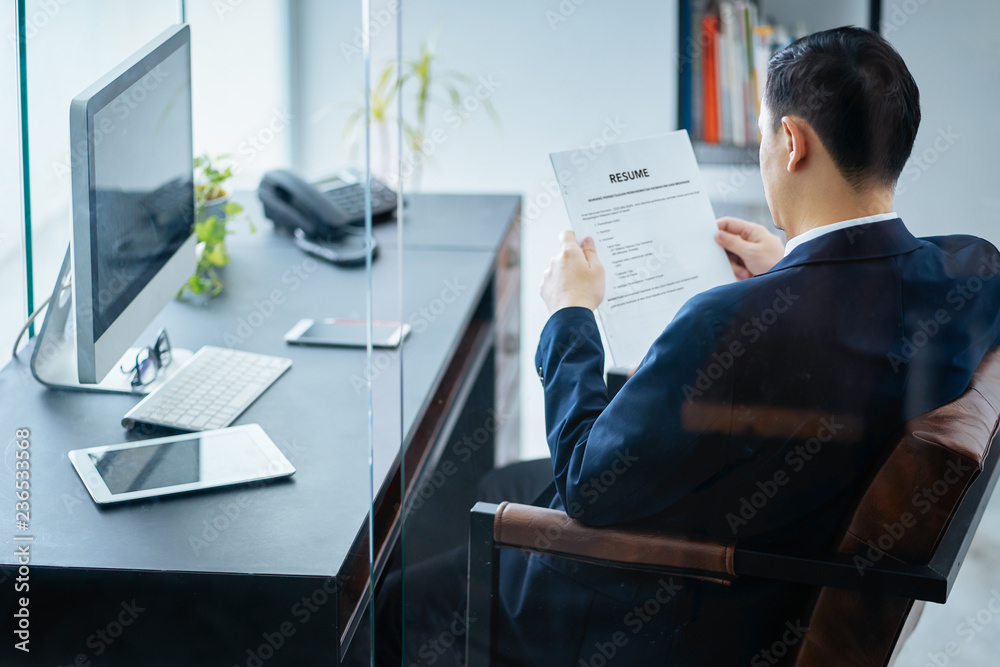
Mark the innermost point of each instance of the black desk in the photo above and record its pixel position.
(217, 574)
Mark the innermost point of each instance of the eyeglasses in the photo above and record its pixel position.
(150, 360)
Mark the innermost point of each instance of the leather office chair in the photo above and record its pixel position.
(864, 609)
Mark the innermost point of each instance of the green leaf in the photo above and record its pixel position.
(386, 75)
(217, 255)
(203, 229)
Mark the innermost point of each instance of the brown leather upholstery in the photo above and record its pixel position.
(544, 530)
(903, 516)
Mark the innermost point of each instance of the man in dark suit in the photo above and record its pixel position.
(760, 410)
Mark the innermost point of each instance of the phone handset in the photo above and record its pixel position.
(321, 222)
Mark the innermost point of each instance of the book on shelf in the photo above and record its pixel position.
(728, 49)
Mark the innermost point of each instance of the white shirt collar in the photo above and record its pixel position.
(816, 232)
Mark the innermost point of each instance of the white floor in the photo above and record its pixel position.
(968, 626)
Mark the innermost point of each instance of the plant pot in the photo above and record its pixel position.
(216, 207)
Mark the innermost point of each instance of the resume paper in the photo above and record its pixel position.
(645, 205)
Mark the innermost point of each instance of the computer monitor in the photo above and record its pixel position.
(133, 198)
(133, 245)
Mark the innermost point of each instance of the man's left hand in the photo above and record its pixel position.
(575, 276)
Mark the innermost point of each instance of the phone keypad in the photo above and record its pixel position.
(351, 198)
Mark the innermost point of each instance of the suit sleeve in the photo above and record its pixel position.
(632, 457)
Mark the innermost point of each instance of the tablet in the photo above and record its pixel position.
(342, 332)
(179, 464)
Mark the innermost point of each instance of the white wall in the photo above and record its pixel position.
(950, 186)
(814, 15)
(559, 79)
(240, 79)
(952, 49)
(328, 80)
(240, 84)
(563, 81)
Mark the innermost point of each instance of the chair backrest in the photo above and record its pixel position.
(902, 515)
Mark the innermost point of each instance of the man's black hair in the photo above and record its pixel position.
(855, 91)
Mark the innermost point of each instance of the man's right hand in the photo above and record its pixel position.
(751, 248)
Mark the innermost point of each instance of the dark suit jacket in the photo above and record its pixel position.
(757, 414)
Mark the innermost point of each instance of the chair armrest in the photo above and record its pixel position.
(548, 531)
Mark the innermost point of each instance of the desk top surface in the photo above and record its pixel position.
(317, 413)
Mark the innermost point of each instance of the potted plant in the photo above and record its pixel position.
(212, 212)
(430, 85)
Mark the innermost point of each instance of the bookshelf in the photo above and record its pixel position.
(728, 51)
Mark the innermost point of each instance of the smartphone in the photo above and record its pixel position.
(340, 332)
(179, 464)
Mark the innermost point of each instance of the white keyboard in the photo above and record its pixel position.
(210, 391)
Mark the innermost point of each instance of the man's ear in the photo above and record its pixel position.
(795, 141)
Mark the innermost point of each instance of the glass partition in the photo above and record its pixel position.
(69, 46)
(13, 272)
(277, 572)
(489, 91)
(468, 98)
(374, 202)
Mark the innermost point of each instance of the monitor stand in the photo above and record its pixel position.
(53, 361)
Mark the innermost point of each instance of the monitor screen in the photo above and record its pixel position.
(141, 187)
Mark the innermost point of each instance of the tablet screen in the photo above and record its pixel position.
(351, 333)
(187, 461)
